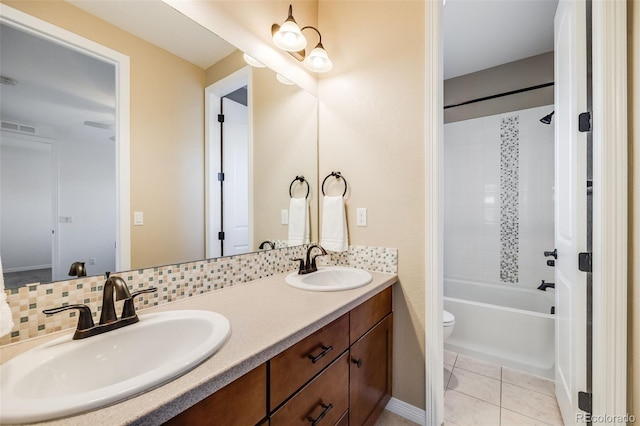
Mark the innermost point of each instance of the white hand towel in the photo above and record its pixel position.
(6, 320)
(298, 221)
(334, 224)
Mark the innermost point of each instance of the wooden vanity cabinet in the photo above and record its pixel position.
(348, 384)
(242, 402)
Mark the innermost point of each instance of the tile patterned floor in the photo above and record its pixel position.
(486, 394)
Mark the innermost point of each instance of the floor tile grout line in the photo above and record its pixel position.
(474, 397)
(532, 390)
(525, 415)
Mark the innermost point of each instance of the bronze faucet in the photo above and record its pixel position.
(310, 264)
(113, 287)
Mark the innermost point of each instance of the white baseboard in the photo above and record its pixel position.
(408, 411)
(27, 268)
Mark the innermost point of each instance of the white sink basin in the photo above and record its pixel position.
(65, 376)
(330, 278)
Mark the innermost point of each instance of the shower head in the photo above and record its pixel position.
(547, 118)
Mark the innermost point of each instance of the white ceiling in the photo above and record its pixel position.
(480, 34)
(62, 88)
(56, 86)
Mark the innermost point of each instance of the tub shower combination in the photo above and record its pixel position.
(498, 222)
(513, 327)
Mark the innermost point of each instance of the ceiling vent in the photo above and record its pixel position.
(25, 129)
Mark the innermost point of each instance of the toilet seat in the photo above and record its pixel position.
(448, 318)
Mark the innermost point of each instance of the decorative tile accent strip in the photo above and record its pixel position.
(174, 282)
(509, 198)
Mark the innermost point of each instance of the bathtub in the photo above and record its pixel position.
(503, 324)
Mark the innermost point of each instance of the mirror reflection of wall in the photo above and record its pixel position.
(167, 135)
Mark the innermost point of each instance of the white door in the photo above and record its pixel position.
(236, 177)
(570, 205)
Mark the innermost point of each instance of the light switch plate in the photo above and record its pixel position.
(284, 217)
(138, 218)
(361, 216)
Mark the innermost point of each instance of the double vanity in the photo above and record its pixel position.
(291, 356)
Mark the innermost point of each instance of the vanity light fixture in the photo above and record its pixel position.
(289, 37)
(284, 80)
(252, 61)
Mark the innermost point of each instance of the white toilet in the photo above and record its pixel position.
(448, 321)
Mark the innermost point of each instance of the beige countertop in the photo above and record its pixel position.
(266, 316)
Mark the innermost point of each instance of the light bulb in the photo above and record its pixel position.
(289, 37)
(318, 60)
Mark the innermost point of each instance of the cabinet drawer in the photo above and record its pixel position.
(242, 402)
(323, 402)
(368, 314)
(297, 365)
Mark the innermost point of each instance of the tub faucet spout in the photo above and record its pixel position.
(544, 286)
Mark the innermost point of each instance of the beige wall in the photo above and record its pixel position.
(372, 130)
(224, 67)
(167, 134)
(284, 124)
(502, 78)
(634, 213)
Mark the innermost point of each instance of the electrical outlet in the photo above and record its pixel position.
(361, 216)
(284, 217)
(92, 261)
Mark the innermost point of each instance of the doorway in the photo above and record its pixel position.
(228, 159)
(99, 145)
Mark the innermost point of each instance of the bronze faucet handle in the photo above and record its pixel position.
(302, 267)
(129, 309)
(85, 320)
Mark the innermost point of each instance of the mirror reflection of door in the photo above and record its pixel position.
(58, 192)
(235, 166)
(228, 159)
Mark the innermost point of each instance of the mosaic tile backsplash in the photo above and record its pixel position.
(174, 282)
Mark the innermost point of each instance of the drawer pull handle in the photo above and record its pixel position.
(326, 409)
(325, 350)
(357, 362)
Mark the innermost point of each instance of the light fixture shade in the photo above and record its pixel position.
(284, 80)
(252, 61)
(318, 60)
(289, 37)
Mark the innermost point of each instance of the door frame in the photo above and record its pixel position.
(213, 93)
(610, 225)
(55, 34)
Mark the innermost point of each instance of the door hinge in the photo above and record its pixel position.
(584, 262)
(221, 177)
(584, 401)
(220, 118)
(221, 235)
(584, 122)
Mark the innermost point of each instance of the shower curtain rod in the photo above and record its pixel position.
(499, 95)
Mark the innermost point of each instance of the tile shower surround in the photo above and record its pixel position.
(499, 198)
(174, 282)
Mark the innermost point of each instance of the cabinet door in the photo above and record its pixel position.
(370, 372)
(242, 402)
